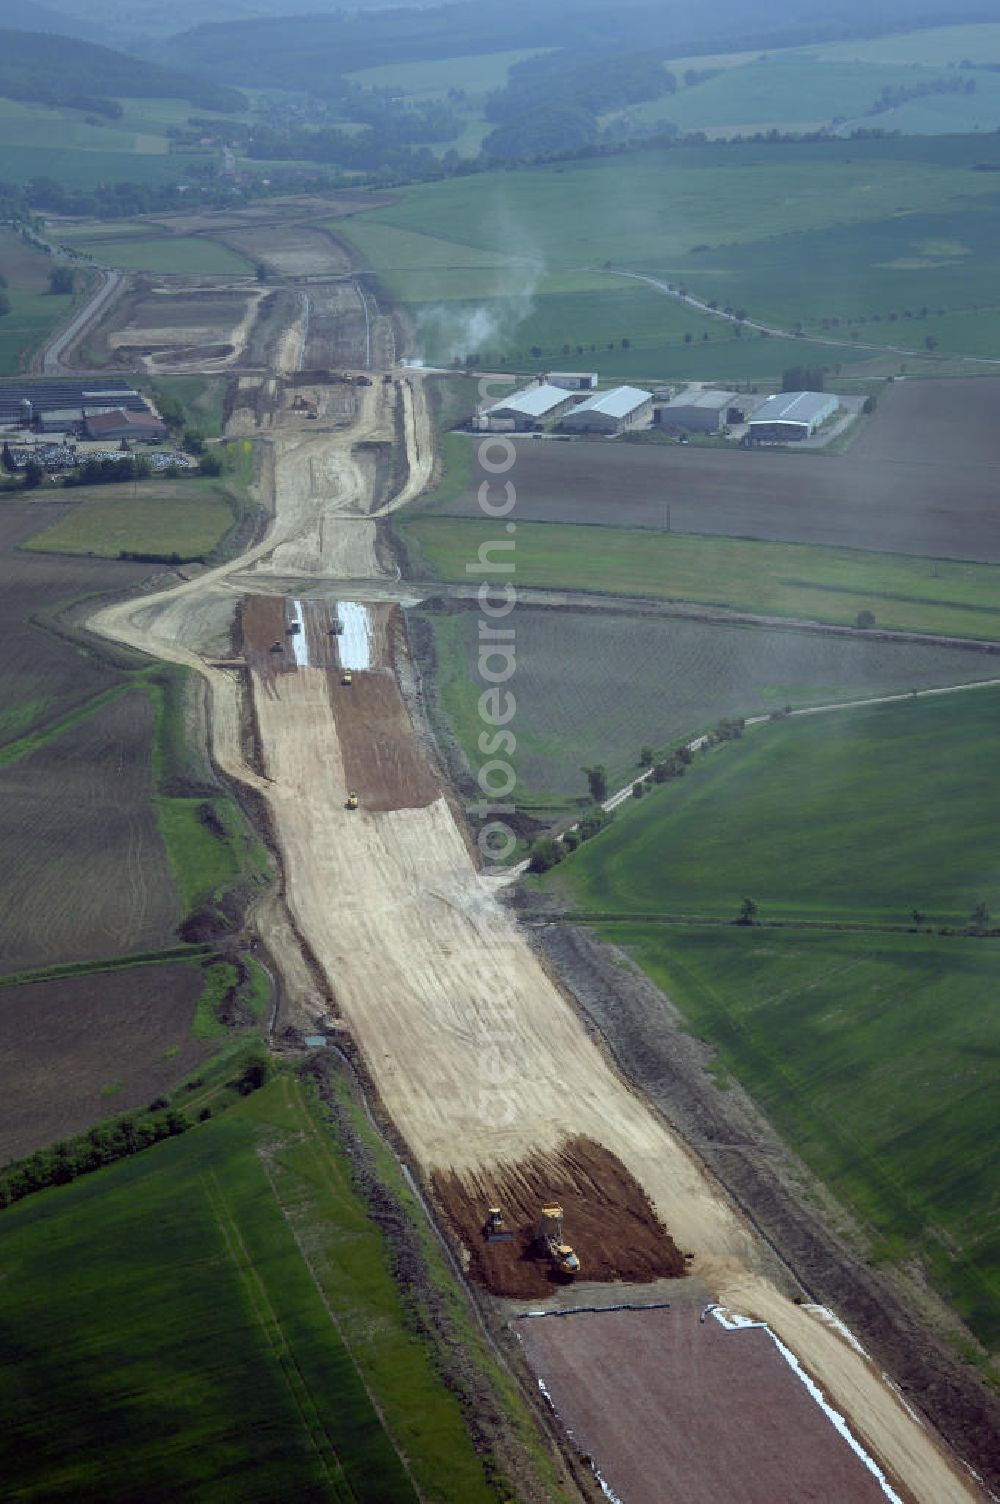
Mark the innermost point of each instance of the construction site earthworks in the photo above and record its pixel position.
(555, 1180)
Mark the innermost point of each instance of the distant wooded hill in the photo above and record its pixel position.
(301, 52)
(66, 71)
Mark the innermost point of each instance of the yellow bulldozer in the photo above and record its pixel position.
(552, 1243)
(352, 800)
(495, 1229)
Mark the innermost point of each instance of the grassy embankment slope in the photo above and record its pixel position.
(895, 240)
(218, 1316)
(874, 1053)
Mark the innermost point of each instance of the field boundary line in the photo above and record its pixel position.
(311, 1137)
(34, 741)
(178, 954)
(715, 921)
(270, 1324)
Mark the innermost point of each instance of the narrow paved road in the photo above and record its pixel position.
(51, 361)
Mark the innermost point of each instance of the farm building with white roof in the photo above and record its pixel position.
(527, 409)
(611, 412)
(791, 416)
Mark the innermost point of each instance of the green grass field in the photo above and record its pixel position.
(855, 815)
(240, 1345)
(875, 1054)
(200, 401)
(803, 90)
(876, 1057)
(850, 232)
(34, 311)
(185, 517)
(85, 168)
(177, 255)
(476, 74)
(779, 579)
(935, 45)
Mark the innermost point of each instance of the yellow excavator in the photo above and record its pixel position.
(551, 1242)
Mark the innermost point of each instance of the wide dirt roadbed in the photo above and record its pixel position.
(673, 1408)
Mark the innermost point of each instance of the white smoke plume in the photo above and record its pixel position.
(453, 331)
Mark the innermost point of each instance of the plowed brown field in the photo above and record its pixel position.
(672, 1408)
(608, 1220)
(921, 479)
(84, 1048)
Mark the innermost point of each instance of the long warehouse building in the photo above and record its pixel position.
(791, 416)
(611, 412)
(527, 409)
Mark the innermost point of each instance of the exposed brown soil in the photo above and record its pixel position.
(921, 479)
(261, 622)
(383, 762)
(291, 250)
(158, 324)
(85, 1048)
(669, 1407)
(608, 1220)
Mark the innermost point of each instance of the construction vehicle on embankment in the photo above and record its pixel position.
(551, 1242)
(495, 1228)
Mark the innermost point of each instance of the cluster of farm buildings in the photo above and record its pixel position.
(58, 424)
(570, 402)
(103, 412)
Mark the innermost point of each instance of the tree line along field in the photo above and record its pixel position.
(792, 232)
(873, 1052)
(34, 311)
(254, 1339)
(595, 686)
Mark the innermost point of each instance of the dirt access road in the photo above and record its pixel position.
(480, 1060)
